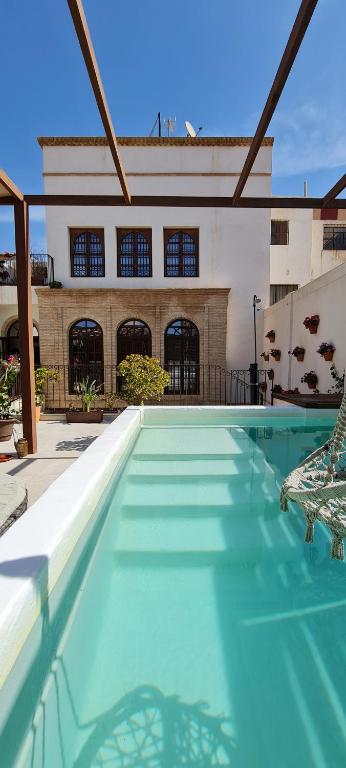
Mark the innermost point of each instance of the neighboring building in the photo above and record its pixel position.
(177, 283)
(305, 244)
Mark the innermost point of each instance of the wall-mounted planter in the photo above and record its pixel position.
(276, 354)
(326, 350)
(265, 356)
(298, 353)
(270, 374)
(312, 323)
(271, 336)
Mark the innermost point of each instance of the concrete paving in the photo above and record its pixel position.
(59, 445)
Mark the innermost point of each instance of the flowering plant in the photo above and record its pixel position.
(325, 347)
(311, 322)
(9, 370)
(297, 351)
(310, 378)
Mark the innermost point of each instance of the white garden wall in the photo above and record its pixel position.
(326, 297)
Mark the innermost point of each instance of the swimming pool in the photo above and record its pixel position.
(191, 626)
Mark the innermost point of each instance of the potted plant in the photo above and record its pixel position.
(310, 378)
(298, 353)
(87, 391)
(143, 379)
(327, 351)
(9, 370)
(42, 376)
(265, 356)
(55, 284)
(270, 374)
(276, 354)
(271, 336)
(312, 323)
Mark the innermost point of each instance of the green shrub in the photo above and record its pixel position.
(143, 379)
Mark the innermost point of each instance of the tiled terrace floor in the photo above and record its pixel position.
(59, 444)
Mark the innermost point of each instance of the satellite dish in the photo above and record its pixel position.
(190, 129)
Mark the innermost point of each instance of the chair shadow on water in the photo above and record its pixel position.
(148, 728)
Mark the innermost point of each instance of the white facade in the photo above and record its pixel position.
(233, 244)
(303, 258)
(325, 297)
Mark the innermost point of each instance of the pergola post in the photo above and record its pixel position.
(26, 347)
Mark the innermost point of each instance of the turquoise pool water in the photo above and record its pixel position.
(198, 628)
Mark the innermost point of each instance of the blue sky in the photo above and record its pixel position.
(211, 62)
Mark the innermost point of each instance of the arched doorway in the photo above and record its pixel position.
(12, 341)
(182, 357)
(85, 352)
(133, 338)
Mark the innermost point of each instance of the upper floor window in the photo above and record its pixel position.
(134, 253)
(87, 252)
(334, 237)
(181, 253)
(279, 232)
(278, 291)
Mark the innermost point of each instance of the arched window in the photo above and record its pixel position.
(182, 357)
(133, 338)
(181, 253)
(87, 253)
(12, 341)
(85, 353)
(134, 253)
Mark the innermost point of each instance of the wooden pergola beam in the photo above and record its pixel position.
(334, 192)
(87, 48)
(10, 187)
(295, 39)
(26, 347)
(182, 201)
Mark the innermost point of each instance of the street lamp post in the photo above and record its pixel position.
(253, 366)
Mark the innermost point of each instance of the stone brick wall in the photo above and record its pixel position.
(60, 309)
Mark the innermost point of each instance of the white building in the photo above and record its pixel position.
(305, 244)
(155, 265)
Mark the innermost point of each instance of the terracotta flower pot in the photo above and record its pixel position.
(277, 358)
(38, 412)
(328, 356)
(312, 386)
(300, 358)
(6, 429)
(271, 338)
(313, 328)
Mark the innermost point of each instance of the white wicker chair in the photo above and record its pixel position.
(318, 485)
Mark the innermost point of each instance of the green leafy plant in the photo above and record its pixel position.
(339, 381)
(88, 391)
(55, 284)
(143, 379)
(114, 401)
(42, 376)
(9, 370)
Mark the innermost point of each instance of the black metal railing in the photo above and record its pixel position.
(199, 384)
(42, 269)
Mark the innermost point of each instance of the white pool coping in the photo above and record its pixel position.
(49, 531)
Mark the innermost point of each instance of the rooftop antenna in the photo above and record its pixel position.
(191, 131)
(158, 124)
(170, 123)
(305, 188)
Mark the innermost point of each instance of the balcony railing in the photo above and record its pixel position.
(42, 269)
